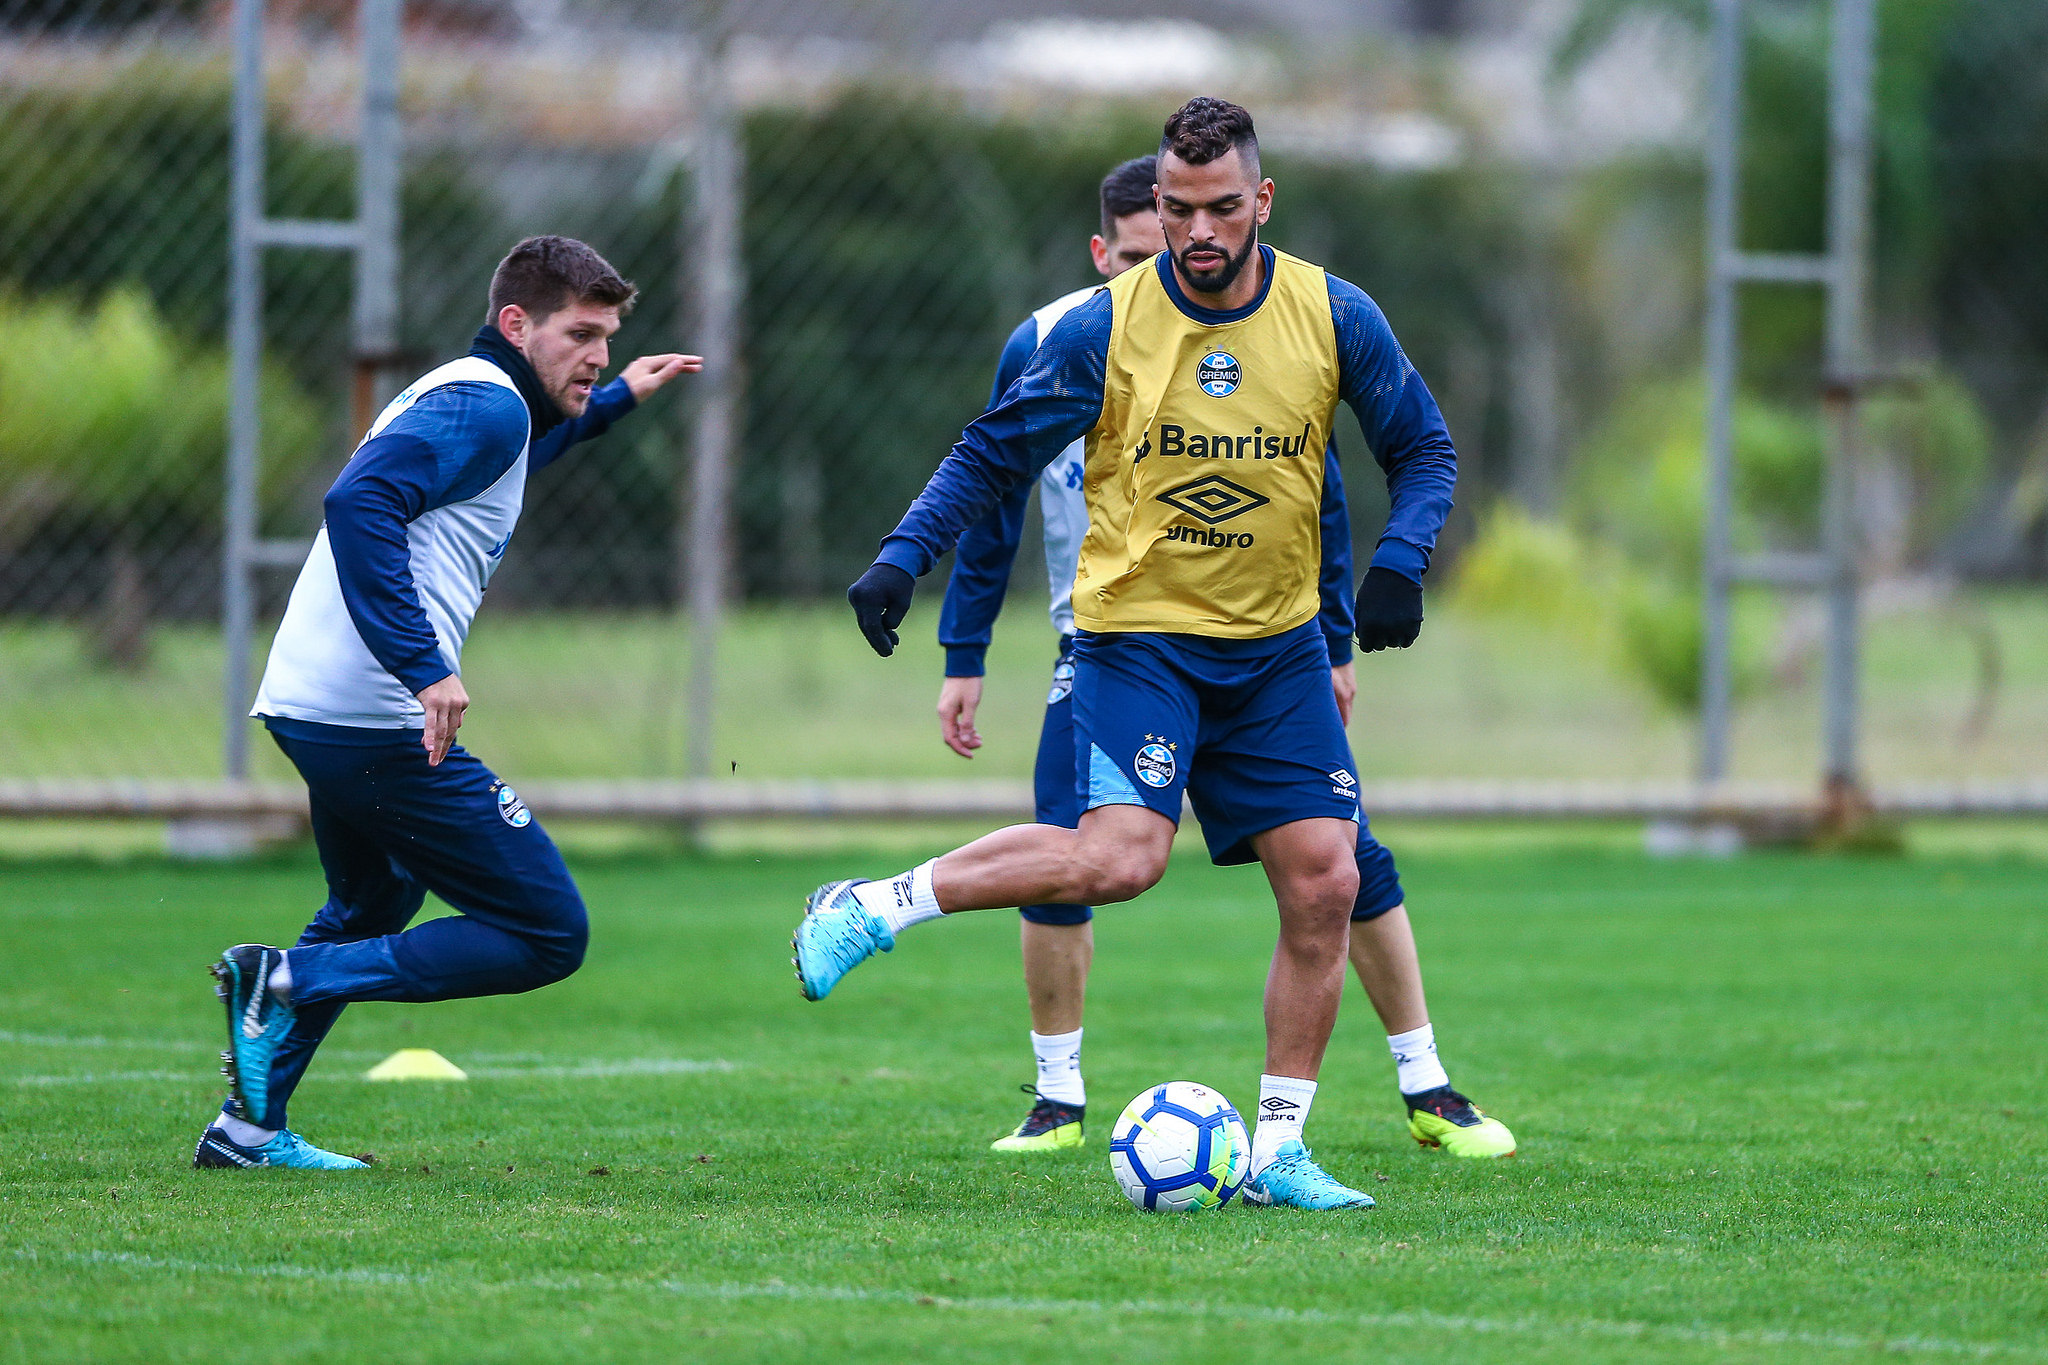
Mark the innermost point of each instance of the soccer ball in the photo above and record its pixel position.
(1179, 1148)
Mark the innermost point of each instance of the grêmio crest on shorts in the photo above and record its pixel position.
(1205, 470)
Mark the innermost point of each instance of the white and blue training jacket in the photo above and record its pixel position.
(415, 526)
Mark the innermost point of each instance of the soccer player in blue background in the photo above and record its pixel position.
(1058, 941)
(364, 694)
(1205, 387)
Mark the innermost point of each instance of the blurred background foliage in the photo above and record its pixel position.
(896, 232)
(1960, 285)
(113, 433)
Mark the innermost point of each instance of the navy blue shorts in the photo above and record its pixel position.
(1247, 729)
(1052, 777)
(1379, 885)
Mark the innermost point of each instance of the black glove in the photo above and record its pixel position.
(880, 598)
(1389, 610)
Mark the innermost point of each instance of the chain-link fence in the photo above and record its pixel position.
(1518, 185)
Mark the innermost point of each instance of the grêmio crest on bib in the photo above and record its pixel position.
(1219, 374)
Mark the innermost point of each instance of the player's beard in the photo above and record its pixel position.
(561, 388)
(1223, 276)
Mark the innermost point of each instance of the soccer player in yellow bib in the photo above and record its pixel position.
(1204, 386)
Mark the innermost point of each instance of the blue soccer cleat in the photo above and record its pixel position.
(218, 1151)
(257, 1023)
(1292, 1180)
(837, 935)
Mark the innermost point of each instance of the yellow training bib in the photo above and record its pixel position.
(1205, 471)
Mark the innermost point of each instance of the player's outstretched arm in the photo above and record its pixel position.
(1058, 400)
(626, 390)
(981, 577)
(646, 375)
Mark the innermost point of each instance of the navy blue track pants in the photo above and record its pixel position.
(389, 830)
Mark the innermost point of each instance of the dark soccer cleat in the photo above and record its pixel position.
(1444, 1118)
(257, 1023)
(1052, 1125)
(218, 1151)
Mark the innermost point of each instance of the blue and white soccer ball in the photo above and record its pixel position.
(1179, 1148)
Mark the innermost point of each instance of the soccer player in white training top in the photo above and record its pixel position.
(1058, 940)
(364, 694)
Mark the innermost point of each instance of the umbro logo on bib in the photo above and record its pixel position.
(1213, 498)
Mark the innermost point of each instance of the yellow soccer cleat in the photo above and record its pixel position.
(1051, 1126)
(1444, 1118)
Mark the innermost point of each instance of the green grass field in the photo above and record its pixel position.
(1770, 1109)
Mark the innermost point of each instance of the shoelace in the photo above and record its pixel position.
(848, 934)
(1304, 1164)
(1045, 1115)
(1452, 1107)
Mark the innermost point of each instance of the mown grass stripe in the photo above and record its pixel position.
(1407, 1320)
(626, 1066)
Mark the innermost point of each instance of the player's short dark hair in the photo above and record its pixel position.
(1127, 190)
(544, 275)
(1205, 128)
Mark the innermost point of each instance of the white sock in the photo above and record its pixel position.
(1283, 1110)
(1059, 1066)
(241, 1131)
(1415, 1061)
(902, 900)
(280, 983)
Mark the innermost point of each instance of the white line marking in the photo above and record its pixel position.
(56, 1040)
(591, 1070)
(1229, 1313)
(107, 1078)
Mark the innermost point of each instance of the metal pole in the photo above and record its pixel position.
(1724, 141)
(245, 360)
(1851, 61)
(713, 248)
(378, 161)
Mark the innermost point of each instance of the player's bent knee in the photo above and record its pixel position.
(1122, 878)
(1319, 904)
(1320, 886)
(559, 952)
